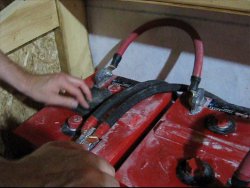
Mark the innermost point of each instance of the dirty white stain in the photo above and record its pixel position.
(228, 149)
(162, 167)
(232, 163)
(206, 142)
(216, 146)
(104, 141)
(40, 121)
(171, 124)
(234, 145)
(144, 165)
(217, 175)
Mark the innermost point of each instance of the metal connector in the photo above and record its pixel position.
(197, 100)
(103, 75)
(87, 139)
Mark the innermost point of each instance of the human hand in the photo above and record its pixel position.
(59, 164)
(47, 88)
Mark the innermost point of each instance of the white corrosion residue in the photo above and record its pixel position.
(144, 165)
(171, 124)
(228, 149)
(152, 105)
(233, 163)
(217, 175)
(40, 121)
(206, 142)
(216, 146)
(231, 144)
(163, 168)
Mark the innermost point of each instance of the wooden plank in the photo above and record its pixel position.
(236, 5)
(241, 7)
(75, 39)
(24, 20)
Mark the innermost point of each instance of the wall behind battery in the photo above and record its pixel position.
(167, 53)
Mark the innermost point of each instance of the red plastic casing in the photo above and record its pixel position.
(145, 152)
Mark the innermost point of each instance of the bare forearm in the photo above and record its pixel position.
(12, 74)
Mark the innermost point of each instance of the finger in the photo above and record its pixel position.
(76, 92)
(80, 83)
(92, 177)
(65, 144)
(95, 177)
(104, 180)
(104, 166)
(100, 164)
(64, 101)
(86, 91)
(110, 181)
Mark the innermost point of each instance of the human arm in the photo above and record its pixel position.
(45, 88)
(58, 164)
